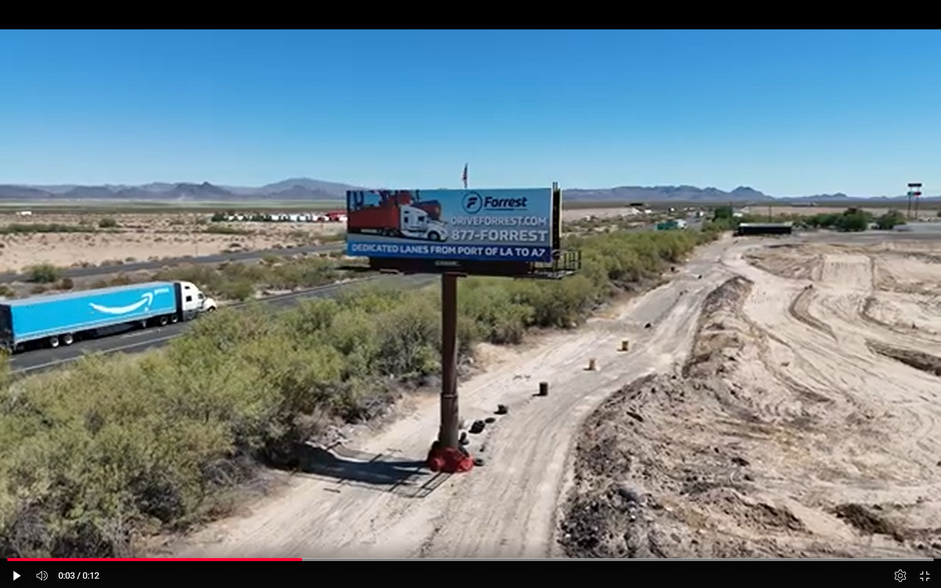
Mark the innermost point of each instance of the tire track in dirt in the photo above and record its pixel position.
(919, 360)
(799, 308)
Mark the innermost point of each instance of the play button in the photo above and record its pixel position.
(15, 575)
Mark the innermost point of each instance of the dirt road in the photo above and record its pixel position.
(806, 424)
(505, 508)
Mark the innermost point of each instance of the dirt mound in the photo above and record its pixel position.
(867, 522)
(916, 359)
(653, 495)
(715, 334)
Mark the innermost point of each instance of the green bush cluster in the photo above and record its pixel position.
(96, 455)
(850, 220)
(24, 228)
(890, 220)
(226, 230)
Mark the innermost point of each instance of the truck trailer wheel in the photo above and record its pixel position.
(53, 341)
(174, 318)
(162, 321)
(68, 339)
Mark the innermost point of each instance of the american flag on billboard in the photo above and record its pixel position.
(464, 176)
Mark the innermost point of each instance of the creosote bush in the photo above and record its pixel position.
(43, 273)
(111, 449)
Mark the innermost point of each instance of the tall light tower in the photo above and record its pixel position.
(914, 191)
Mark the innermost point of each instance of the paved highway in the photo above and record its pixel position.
(84, 272)
(135, 341)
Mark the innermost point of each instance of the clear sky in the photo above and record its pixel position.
(786, 112)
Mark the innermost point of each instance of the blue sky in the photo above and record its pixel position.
(787, 112)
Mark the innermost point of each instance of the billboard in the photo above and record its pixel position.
(480, 225)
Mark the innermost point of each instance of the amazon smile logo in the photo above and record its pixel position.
(146, 300)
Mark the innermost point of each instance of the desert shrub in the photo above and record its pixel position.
(23, 228)
(853, 220)
(226, 230)
(43, 273)
(155, 442)
(107, 223)
(890, 220)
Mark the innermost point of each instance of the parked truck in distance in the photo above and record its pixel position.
(61, 319)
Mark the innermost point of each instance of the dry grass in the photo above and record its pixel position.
(140, 237)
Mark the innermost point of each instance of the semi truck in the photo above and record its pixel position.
(61, 319)
(397, 214)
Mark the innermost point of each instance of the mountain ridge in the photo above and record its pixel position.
(301, 189)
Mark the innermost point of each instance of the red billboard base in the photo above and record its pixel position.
(449, 460)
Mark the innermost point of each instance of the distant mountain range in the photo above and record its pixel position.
(305, 189)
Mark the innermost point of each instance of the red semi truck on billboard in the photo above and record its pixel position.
(395, 213)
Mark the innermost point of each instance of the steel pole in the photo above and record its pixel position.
(448, 433)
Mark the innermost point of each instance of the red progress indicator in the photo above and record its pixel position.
(155, 559)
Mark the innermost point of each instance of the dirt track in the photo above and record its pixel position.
(787, 403)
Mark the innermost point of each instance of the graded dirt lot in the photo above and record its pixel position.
(806, 421)
(140, 237)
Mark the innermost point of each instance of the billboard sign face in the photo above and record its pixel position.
(478, 225)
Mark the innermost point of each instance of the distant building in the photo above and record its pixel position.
(746, 229)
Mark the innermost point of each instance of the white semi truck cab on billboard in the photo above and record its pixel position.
(415, 223)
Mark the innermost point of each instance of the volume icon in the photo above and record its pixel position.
(42, 576)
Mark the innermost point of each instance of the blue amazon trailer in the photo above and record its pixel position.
(64, 318)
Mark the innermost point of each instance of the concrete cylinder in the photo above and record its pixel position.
(543, 388)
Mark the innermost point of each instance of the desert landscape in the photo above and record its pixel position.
(100, 238)
(778, 400)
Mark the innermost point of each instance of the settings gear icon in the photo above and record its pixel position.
(900, 576)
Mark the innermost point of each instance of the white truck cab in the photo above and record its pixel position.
(193, 302)
(416, 223)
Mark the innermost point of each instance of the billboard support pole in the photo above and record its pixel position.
(450, 414)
